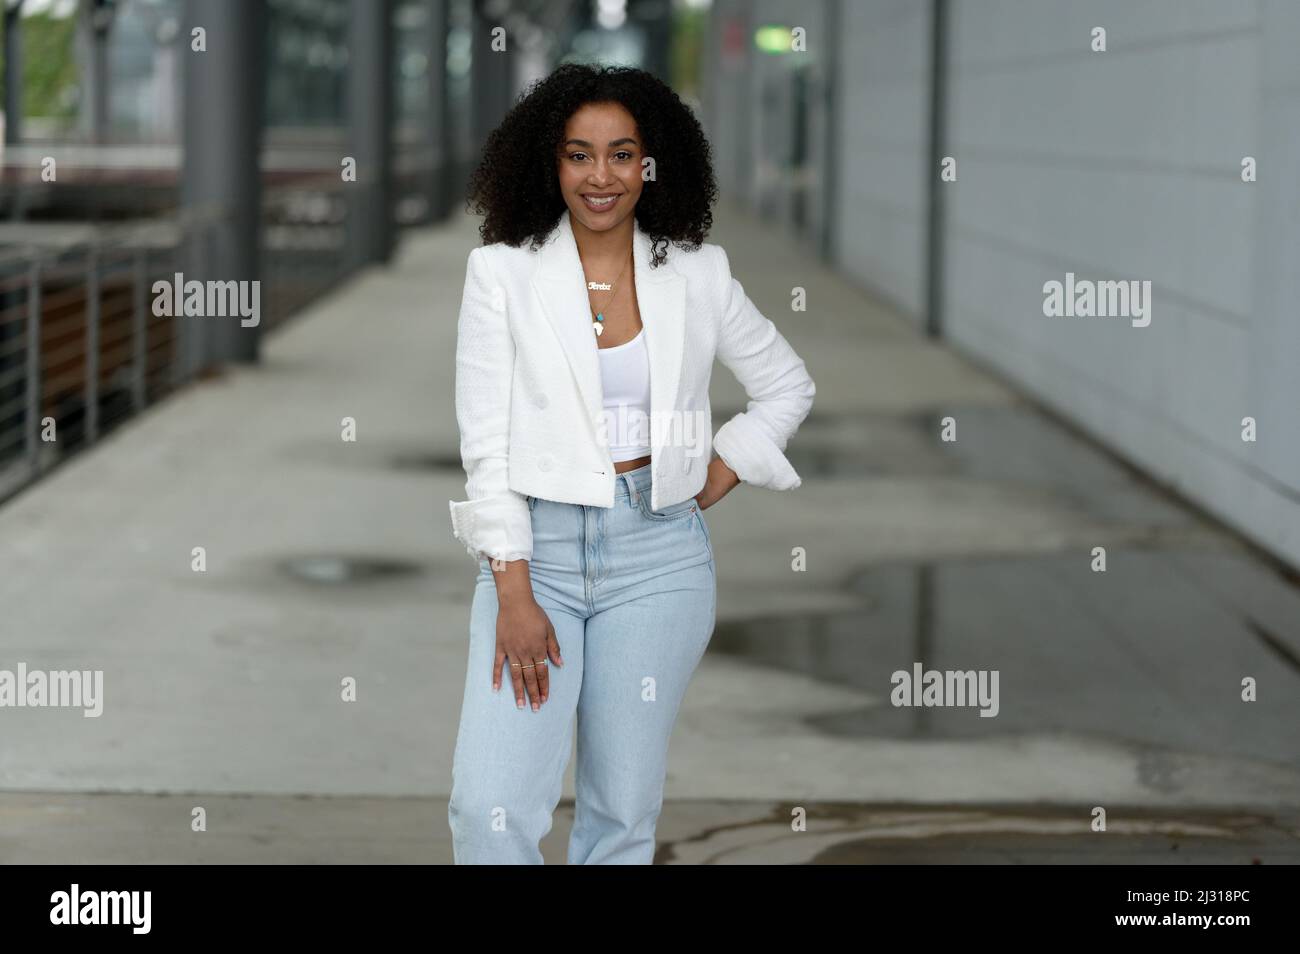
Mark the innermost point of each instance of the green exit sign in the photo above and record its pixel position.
(773, 39)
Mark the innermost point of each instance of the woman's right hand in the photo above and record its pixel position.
(525, 637)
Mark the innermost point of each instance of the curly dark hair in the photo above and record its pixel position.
(516, 188)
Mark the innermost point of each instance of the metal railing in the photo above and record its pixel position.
(81, 349)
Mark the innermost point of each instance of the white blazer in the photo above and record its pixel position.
(529, 399)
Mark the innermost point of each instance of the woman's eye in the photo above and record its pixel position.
(580, 156)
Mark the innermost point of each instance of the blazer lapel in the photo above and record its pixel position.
(661, 297)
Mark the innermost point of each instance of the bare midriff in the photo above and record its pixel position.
(625, 465)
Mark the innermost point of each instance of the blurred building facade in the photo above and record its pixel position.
(1115, 165)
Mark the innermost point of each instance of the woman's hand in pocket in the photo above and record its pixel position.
(721, 480)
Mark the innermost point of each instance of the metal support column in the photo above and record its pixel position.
(370, 125)
(222, 113)
(938, 146)
(439, 108)
(94, 21)
(490, 76)
(13, 71)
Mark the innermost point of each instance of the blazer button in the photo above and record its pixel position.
(541, 401)
(544, 462)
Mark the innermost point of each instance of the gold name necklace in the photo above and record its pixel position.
(598, 325)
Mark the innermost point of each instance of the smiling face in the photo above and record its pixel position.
(599, 166)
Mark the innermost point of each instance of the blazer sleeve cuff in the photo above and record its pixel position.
(493, 528)
(753, 455)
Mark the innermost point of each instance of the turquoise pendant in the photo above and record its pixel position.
(600, 329)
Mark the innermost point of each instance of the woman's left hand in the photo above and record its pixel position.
(719, 482)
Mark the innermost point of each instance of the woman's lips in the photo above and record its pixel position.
(604, 206)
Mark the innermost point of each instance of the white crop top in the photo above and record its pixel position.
(625, 376)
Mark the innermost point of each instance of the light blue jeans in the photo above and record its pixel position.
(632, 595)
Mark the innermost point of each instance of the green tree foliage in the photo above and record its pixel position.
(50, 79)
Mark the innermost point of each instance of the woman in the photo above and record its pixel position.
(582, 373)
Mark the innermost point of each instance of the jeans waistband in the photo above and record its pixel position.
(633, 483)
